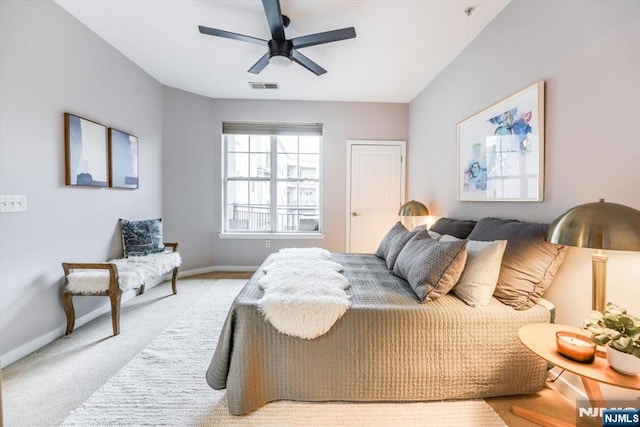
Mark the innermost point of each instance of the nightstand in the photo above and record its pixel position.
(540, 338)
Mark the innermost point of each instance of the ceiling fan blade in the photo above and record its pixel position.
(259, 66)
(326, 37)
(274, 18)
(230, 35)
(307, 63)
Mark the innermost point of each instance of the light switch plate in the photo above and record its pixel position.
(13, 203)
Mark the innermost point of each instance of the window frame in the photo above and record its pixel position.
(273, 179)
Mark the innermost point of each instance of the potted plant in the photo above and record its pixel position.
(620, 332)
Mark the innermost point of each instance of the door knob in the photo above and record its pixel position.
(355, 214)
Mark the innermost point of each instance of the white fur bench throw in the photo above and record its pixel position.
(304, 292)
(132, 273)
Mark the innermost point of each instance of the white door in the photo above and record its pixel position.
(375, 193)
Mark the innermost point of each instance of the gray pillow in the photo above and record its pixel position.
(432, 268)
(454, 227)
(141, 238)
(529, 263)
(392, 243)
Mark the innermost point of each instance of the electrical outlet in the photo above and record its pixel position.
(267, 243)
(13, 203)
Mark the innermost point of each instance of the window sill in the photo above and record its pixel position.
(272, 236)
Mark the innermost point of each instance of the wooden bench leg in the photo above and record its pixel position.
(67, 304)
(174, 278)
(115, 312)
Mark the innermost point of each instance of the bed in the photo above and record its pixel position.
(388, 346)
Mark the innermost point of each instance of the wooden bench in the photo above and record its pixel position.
(111, 279)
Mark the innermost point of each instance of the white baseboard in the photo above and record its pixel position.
(568, 384)
(35, 344)
(196, 271)
(16, 354)
(214, 268)
(239, 268)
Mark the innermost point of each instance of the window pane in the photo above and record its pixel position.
(308, 193)
(250, 209)
(298, 206)
(259, 210)
(287, 144)
(237, 202)
(260, 193)
(260, 143)
(309, 220)
(260, 165)
(287, 166)
(238, 164)
(238, 192)
(310, 144)
(238, 143)
(309, 166)
(287, 212)
(287, 219)
(287, 193)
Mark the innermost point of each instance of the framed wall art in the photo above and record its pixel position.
(123, 159)
(501, 150)
(85, 152)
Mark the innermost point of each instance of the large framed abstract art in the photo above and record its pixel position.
(501, 150)
(123, 159)
(85, 152)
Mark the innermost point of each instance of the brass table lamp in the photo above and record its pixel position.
(413, 209)
(600, 226)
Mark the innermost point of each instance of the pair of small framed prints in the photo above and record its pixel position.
(99, 157)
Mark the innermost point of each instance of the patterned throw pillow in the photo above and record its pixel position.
(141, 238)
(432, 268)
(393, 243)
(480, 275)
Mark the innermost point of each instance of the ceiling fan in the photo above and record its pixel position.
(280, 49)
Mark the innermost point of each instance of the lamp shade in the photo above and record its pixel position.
(599, 225)
(413, 208)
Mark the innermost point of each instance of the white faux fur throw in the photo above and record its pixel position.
(132, 273)
(313, 253)
(304, 292)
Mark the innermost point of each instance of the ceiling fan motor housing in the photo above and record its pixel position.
(280, 48)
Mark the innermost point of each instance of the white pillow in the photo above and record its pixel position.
(480, 275)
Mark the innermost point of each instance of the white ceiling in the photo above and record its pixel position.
(400, 45)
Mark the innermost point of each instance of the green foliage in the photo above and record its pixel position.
(616, 328)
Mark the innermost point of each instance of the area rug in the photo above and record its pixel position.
(165, 385)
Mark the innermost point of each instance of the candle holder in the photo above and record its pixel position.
(575, 346)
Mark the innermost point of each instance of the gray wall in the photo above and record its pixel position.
(51, 64)
(588, 54)
(192, 127)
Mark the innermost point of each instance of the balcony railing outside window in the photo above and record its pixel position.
(258, 218)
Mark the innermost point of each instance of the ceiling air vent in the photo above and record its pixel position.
(258, 85)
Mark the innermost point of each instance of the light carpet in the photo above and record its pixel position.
(165, 385)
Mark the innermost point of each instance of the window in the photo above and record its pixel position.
(271, 181)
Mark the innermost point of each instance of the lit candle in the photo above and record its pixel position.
(576, 347)
(575, 341)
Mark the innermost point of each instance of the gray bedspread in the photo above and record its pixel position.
(387, 347)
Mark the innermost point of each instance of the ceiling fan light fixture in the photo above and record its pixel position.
(281, 61)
